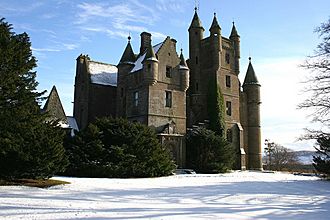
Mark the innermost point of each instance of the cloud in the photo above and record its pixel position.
(45, 50)
(171, 5)
(117, 20)
(15, 9)
(281, 88)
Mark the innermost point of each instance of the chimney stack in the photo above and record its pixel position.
(145, 41)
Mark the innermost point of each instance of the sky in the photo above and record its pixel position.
(277, 34)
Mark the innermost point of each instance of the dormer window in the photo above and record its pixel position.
(168, 71)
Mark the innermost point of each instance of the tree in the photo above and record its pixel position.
(208, 152)
(216, 109)
(279, 157)
(29, 147)
(318, 83)
(318, 89)
(117, 148)
(322, 158)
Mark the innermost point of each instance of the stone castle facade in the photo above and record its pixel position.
(161, 89)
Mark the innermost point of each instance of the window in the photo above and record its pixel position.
(121, 92)
(228, 108)
(229, 135)
(227, 57)
(136, 98)
(228, 82)
(168, 71)
(196, 60)
(196, 86)
(168, 99)
(149, 66)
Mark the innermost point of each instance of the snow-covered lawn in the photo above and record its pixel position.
(237, 195)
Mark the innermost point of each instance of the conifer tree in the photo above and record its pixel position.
(29, 147)
(117, 148)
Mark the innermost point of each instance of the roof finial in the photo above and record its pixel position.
(129, 37)
(215, 14)
(181, 50)
(250, 59)
(196, 5)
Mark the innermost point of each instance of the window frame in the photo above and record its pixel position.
(168, 99)
(228, 108)
(136, 98)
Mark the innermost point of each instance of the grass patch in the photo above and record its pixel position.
(32, 183)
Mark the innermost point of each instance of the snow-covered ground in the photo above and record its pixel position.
(237, 195)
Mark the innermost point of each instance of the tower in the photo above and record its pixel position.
(235, 39)
(251, 88)
(126, 63)
(196, 32)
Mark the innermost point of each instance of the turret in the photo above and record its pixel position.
(184, 73)
(150, 66)
(196, 32)
(251, 88)
(235, 39)
(126, 63)
(216, 41)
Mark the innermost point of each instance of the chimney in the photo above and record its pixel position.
(145, 41)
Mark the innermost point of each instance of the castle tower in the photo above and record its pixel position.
(216, 43)
(126, 63)
(196, 32)
(150, 66)
(251, 88)
(235, 39)
(184, 73)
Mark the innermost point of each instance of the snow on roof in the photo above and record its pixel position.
(72, 123)
(138, 63)
(102, 73)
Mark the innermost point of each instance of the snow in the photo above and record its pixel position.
(103, 74)
(237, 195)
(138, 63)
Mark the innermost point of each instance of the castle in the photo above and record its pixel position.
(161, 89)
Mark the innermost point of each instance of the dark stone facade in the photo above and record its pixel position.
(151, 88)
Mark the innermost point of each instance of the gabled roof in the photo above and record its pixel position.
(102, 73)
(54, 107)
(250, 77)
(138, 63)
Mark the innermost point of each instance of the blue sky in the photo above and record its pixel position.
(277, 34)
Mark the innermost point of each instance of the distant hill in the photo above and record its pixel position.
(305, 157)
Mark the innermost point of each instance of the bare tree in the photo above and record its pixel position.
(318, 89)
(279, 157)
(318, 83)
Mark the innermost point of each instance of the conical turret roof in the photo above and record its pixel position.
(183, 64)
(250, 77)
(215, 24)
(196, 22)
(54, 106)
(233, 31)
(150, 55)
(128, 55)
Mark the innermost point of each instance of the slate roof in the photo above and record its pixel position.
(250, 77)
(138, 63)
(102, 73)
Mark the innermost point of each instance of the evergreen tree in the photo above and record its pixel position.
(29, 147)
(208, 152)
(216, 108)
(117, 148)
(322, 159)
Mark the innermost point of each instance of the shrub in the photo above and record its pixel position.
(117, 148)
